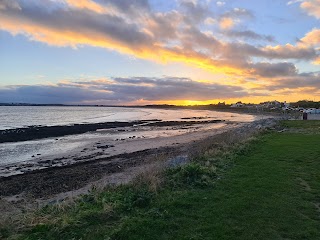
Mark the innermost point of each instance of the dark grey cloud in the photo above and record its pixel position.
(288, 52)
(176, 89)
(132, 7)
(238, 13)
(121, 91)
(311, 81)
(124, 5)
(48, 94)
(271, 70)
(247, 34)
(195, 12)
(104, 26)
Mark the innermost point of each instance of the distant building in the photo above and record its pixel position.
(311, 114)
(312, 111)
(285, 104)
(237, 105)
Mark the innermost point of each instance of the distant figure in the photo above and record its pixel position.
(305, 116)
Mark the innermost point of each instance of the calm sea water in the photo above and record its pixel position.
(22, 116)
(15, 117)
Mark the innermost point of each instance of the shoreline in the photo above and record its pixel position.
(47, 182)
(35, 132)
(105, 148)
(25, 156)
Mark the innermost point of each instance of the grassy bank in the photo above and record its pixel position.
(265, 188)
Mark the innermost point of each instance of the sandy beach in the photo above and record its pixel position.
(102, 158)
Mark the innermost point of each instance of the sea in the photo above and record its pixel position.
(12, 117)
(23, 116)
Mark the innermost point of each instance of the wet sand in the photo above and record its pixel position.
(46, 178)
(74, 148)
(108, 143)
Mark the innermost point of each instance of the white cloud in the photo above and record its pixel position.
(220, 4)
(293, 2)
(210, 21)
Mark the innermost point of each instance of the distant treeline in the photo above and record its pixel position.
(306, 104)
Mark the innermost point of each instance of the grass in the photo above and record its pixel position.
(268, 189)
(311, 124)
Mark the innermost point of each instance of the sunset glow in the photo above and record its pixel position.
(180, 52)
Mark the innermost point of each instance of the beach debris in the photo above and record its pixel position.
(105, 146)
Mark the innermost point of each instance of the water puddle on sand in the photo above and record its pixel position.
(29, 150)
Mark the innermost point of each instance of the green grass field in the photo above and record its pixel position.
(267, 190)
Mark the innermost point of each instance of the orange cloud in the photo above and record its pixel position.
(312, 7)
(226, 23)
(87, 4)
(312, 38)
(93, 6)
(61, 37)
(316, 61)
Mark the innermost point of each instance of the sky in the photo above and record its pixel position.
(185, 52)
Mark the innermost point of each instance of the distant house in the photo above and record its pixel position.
(285, 104)
(311, 114)
(312, 111)
(237, 105)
